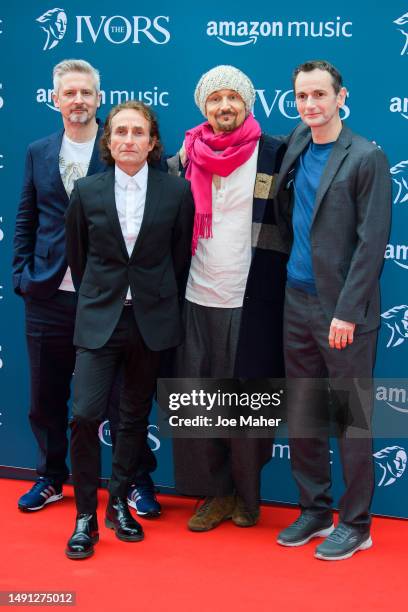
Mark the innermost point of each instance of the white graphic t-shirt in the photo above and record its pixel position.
(74, 160)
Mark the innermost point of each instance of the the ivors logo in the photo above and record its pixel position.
(119, 29)
(402, 23)
(54, 23)
(111, 29)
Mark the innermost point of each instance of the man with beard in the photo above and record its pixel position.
(234, 295)
(42, 277)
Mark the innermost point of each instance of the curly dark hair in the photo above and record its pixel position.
(146, 111)
(337, 79)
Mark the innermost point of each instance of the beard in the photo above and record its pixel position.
(226, 127)
(84, 117)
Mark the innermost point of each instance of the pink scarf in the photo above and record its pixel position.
(201, 143)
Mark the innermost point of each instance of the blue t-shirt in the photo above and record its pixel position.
(308, 172)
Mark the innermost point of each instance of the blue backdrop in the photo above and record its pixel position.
(156, 52)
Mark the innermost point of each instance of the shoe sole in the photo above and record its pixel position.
(321, 533)
(363, 546)
(143, 514)
(111, 525)
(202, 529)
(52, 498)
(244, 526)
(83, 555)
(248, 523)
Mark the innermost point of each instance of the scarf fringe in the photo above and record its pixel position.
(202, 229)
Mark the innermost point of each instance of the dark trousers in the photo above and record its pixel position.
(308, 356)
(216, 466)
(49, 332)
(148, 461)
(95, 371)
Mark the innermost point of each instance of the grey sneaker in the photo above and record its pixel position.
(304, 529)
(343, 543)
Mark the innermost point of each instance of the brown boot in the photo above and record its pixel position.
(213, 511)
(242, 517)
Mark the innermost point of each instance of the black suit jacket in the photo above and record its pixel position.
(350, 224)
(39, 261)
(102, 271)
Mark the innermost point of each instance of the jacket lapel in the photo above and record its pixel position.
(106, 188)
(339, 152)
(154, 188)
(296, 145)
(96, 164)
(52, 152)
(51, 165)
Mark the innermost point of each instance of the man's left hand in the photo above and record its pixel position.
(341, 334)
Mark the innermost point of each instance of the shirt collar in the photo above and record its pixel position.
(140, 178)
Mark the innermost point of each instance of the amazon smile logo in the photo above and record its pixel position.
(398, 253)
(395, 397)
(240, 33)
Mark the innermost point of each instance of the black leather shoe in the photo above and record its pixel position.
(118, 517)
(80, 544)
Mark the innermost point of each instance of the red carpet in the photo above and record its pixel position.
(228, 569)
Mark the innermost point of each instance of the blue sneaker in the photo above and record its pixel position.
(44, 491)
(142, 498)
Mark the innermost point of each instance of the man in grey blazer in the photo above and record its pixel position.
(334, 203)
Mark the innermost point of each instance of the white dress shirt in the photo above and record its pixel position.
(220, 267)
(130, 197)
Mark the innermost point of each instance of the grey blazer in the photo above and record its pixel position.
(350, 225)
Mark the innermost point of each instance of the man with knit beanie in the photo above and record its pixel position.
(235, 289)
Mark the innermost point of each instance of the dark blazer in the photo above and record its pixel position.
(39, 262)
(350, 224)
(102, 270)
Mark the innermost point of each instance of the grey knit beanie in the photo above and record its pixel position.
(224, 77)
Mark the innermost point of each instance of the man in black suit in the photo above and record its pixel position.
(334, 191)
(128, 242)
(42, 277)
